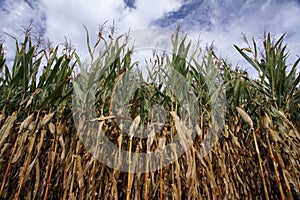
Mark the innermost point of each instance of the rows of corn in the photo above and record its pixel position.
(42, 157)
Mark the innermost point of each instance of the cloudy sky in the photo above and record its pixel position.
(218, 21)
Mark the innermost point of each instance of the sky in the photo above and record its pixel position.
(219, 21)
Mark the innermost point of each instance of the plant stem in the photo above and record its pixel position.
(275, 168)
(260, 166)
(129, 171)
(51, 169)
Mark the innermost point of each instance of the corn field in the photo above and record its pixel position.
(43, 157)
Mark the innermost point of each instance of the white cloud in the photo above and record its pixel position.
(14, 11)
(16, 15)
(148, 11)
(66, 17)
(253, 20)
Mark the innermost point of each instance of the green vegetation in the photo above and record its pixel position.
(41, 155)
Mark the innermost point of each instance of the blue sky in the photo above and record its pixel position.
(221, 22)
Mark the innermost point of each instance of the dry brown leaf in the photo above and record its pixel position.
(72, 196)
(47, 118)
(162, 143)
(134, 126)
(150, 139)
(21, 147)
(114, 188)
(60, 128)
(62, 144)
(38, 150)
(183, 132)
(199, 131)
(6, 128)
(80, 172)
(175, 192)
(2, 116)
(275, 137)
(37, 91)
(265, 120)
(31, 143)
(4, 149)
(102, 118)
(245, 116)
(51, 128)
(37, 179)
(290, 124)
(225, 132)
(191, 174)
(26, 122)
(235, 139)
(33, 127)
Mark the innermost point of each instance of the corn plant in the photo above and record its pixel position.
(276, 81)
(43, 157)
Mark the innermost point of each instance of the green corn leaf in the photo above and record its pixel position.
(88, 42)
(252, 62)
(54, 72)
